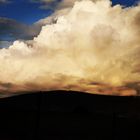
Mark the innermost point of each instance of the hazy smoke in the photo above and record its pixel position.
(94, 43)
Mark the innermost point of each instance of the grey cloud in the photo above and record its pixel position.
(11, 29)
(56, 4)
(47, 4)
(5, 44)
(4, 1)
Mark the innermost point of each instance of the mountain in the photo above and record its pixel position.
(67, 115)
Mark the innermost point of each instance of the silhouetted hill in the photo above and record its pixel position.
(67, 115)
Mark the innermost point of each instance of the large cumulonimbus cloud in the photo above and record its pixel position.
(94, 42)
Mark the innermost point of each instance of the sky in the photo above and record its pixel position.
(23, 11)
(28, 12)
(90, 45)
(18, 16)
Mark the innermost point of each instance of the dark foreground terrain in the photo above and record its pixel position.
(62, 115)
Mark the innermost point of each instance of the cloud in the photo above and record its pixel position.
(56, 4)
(94, 47)
(5, 1)
(11, 29)
(60, 7)
(5, 44)
(46, 4)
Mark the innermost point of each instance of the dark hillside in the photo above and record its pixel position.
(67, 115)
